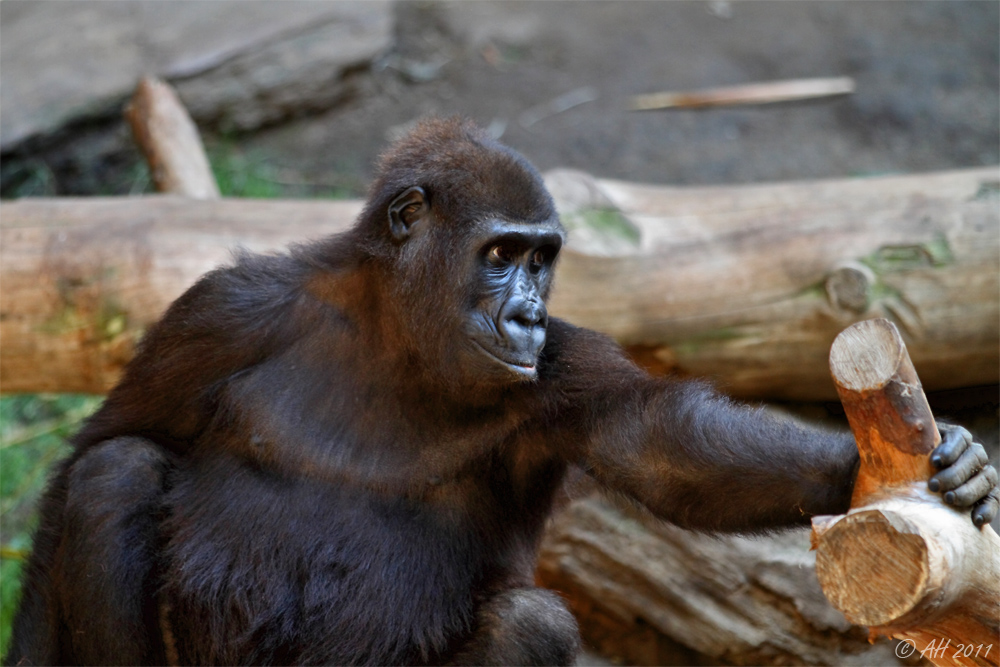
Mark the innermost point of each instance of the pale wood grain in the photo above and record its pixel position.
(765, 92)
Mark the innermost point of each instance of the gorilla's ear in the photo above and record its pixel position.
(406, 210)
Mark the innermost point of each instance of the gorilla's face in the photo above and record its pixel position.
(514, 264)
(491, 278)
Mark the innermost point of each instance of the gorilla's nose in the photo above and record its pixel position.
(522, 324)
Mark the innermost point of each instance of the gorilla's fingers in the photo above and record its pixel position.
(971, 492)
(969, 463)
(954, 441)
(987, 509)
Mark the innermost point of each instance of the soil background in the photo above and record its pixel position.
(926, 72)
(927, 98)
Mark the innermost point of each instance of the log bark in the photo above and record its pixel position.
(745, 285)
(901, 561)
(169, 140)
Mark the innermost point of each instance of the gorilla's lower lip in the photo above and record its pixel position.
(527, 369)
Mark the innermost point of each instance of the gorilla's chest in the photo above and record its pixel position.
(358, 436)
(321, 559)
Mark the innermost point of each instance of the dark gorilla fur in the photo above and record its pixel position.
(346, 454)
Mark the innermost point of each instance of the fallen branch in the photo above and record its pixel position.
(749, 285)
(648, 593)
(83, 278)
(170, 142)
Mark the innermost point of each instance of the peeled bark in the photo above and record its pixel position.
(901, 561)
(83, 278)
(749, 285)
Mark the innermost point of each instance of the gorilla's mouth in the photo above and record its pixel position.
(524, 368)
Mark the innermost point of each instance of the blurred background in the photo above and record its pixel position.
(296, 99)
(303, 95)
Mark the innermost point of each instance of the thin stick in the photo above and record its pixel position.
(751, 93)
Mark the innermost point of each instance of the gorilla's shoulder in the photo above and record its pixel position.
(245, 292)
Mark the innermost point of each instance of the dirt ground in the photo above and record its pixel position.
(553, 78)
(927, 88)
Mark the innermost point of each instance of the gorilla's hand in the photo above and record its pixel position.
(966, 479)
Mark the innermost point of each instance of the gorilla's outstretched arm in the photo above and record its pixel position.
(702, 461)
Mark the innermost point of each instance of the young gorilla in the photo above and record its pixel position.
(347, 454)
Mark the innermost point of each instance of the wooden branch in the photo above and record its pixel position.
(745, 285)
(751, 93)
(886, 407)
(901, 561)
(169, 140)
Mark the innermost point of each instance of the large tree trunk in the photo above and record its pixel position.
(747, 285)
(901, 561)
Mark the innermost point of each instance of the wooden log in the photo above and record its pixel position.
(749, 285)
(83, 278)
(649, 593)
(885, 406)
(901, 561)
(745, 285)
(169, 141)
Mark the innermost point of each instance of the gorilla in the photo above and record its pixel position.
(346, 454)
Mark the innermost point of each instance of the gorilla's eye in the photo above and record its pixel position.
(409, 212)
(537, 261)
(500, 255)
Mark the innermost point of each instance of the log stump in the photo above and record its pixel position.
(901, 561)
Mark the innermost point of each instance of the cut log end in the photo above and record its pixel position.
(866, 356)
(872, 567)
